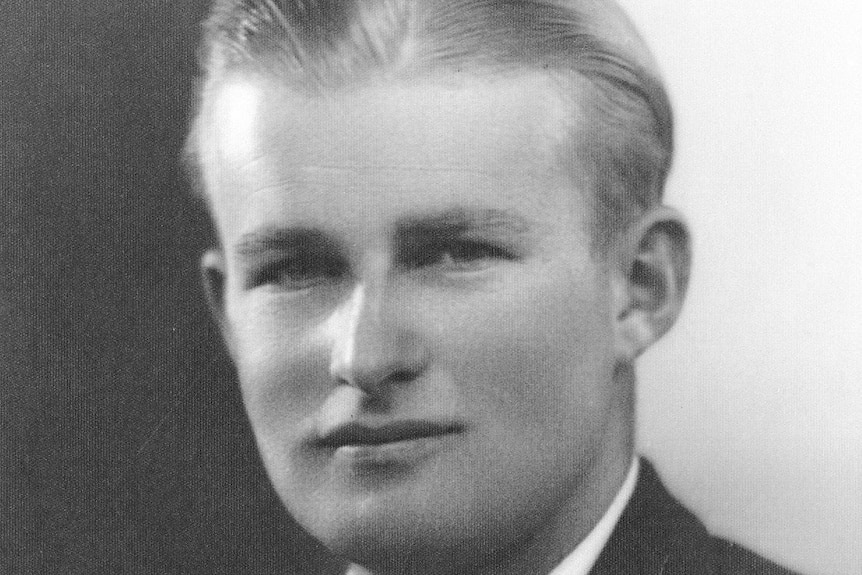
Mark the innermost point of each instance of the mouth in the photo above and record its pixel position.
(366, 436)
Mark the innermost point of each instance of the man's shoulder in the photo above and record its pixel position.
(656, 535)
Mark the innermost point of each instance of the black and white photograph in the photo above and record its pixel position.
(430, 287)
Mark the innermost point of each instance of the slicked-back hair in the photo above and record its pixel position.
(315, 46)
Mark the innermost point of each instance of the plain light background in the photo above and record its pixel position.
(752, 406)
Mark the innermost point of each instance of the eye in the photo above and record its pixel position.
(462, 255)
(299, 272)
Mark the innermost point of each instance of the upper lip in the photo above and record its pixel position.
(359, 434)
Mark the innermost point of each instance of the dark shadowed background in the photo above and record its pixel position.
(124, 447)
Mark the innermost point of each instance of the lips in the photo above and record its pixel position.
(354, 434)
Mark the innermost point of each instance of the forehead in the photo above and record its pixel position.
(457, 113)
(263, 138)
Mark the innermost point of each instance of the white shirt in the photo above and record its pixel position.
(585, 555)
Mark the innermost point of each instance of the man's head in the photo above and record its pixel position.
(441, 252)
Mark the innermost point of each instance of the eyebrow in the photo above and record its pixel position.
(460, 220)
(278, 239)
(448, 223)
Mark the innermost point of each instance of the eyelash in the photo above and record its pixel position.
(462, 254)
(308, 271)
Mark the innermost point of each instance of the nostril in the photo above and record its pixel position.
(402, 376)
(377, 382)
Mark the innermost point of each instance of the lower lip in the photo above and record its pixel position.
(396, 453)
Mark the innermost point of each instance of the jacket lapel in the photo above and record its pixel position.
(655, 535)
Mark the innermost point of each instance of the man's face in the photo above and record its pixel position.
(423, 338)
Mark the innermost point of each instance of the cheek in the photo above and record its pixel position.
(533, 369)
(282, 376)
(537, 356)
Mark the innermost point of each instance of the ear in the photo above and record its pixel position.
(214, 276)
(651, 264)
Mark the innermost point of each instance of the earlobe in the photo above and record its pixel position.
(650, 280)
(214, 277)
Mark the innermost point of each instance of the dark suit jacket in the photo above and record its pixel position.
(656, 535)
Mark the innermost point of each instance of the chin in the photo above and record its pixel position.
(379, 541)
(384, 532)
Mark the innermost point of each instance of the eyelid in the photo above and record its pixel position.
(488, 249)
(449, 253)
(313, 269)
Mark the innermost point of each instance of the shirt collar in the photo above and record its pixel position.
(585, 555)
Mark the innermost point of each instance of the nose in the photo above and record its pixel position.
(374, 345)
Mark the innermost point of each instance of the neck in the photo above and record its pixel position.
(542, 551)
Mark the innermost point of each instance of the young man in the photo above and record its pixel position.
(442, 249)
